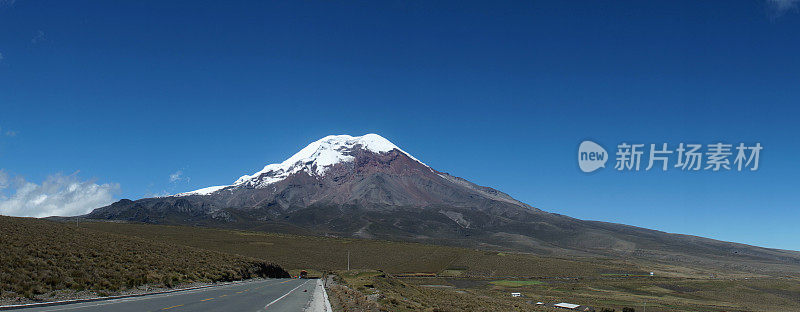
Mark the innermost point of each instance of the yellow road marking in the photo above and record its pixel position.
(175, 306)
(206, 299)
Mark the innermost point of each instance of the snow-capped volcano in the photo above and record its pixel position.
(344, 169)
(340, 171)
(315, 159)
(365, 186)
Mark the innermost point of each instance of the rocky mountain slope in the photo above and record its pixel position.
(367, 187)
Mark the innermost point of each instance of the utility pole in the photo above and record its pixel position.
(348, 260)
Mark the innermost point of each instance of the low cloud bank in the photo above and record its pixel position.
(58, 195)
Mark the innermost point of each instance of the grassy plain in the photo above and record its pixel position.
(641, 294)
(481, 280)
(330, 254)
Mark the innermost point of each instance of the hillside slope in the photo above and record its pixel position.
(40, 256)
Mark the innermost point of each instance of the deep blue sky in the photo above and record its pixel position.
(500, 93)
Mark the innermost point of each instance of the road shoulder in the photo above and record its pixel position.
(319, 300)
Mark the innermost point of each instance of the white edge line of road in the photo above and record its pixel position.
(109, 298)
(327, 302)
(284, 296)
(325, 296)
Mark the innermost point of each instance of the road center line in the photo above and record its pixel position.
(135, 299)
(175, 306)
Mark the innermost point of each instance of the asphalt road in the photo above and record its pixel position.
(260, 295)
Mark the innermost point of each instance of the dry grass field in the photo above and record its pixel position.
(387, 293)
(39, 257)
(330, 254)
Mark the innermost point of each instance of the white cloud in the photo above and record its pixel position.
(3, 181)
(176, 176)
(157, 194)
(780, 7)
(58, 195)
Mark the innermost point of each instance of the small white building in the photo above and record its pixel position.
(565, 305)
(516, 294)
